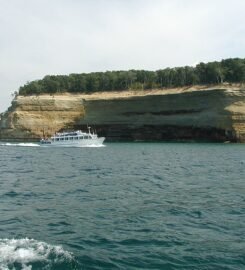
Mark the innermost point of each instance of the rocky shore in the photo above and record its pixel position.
(200, 113)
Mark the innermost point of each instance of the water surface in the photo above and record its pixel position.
(123, 206)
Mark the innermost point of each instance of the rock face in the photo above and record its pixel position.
(32, 117)
(210, 114)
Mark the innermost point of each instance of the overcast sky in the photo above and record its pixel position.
(40, 37)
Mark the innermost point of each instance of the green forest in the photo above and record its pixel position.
(228, 70)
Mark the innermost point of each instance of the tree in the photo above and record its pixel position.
(229, 70)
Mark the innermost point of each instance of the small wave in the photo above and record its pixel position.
(21, 144)
(27, 253)
(11, 194)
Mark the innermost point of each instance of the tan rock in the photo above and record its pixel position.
(213, 113)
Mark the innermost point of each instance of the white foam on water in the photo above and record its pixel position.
(48, 145)
(21, 144)
(94, 145)
(27, 251)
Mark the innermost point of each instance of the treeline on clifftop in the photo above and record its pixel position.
(228, 70)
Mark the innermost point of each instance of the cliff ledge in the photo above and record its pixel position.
(214, 113)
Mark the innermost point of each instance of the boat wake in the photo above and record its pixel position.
(93, 145)
(21, 144)
(30, 254)
(48, 145)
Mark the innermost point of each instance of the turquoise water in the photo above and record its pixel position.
(122, 206)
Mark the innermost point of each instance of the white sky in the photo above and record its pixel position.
(41, 37)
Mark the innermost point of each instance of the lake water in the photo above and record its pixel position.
(122, 206)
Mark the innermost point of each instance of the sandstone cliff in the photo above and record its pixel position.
(199, 113)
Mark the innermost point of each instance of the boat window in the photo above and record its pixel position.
(66, 138)
(90, 137)
(76, 138)
(62, 139)
(85, 137)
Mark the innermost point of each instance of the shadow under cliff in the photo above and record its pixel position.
(150, 133)
(193, 116)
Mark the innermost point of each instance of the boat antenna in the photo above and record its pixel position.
(89, 129)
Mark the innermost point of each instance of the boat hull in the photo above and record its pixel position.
(76, 143)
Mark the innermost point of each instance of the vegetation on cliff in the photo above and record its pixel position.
(228, 70)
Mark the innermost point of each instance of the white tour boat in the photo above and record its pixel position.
(74, 138)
